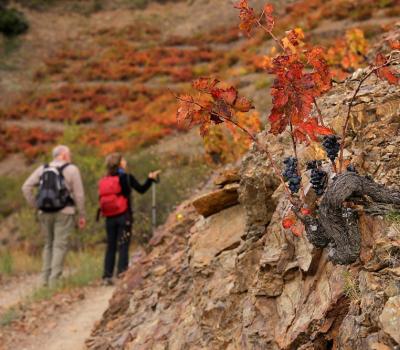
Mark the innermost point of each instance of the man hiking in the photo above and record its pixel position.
(115, 205)
(60, 200)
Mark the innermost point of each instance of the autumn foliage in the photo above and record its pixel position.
(301, 75)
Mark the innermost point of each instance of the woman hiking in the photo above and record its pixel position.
(115, 205)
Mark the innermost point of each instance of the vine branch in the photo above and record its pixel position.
(253, 138)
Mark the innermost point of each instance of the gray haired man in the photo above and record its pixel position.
(60, 199)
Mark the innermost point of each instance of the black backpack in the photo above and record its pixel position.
(53, 194)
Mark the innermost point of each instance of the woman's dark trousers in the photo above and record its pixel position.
(117, 240)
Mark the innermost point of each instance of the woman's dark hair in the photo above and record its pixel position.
(113, 162)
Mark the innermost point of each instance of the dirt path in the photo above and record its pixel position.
(71, 329)
(16, 290)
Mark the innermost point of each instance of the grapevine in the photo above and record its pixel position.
(301, 76)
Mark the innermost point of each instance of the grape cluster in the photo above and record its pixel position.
(291, 175)
(331, 146)
(318, 177)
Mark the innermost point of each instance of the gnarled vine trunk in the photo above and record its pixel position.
(337, 226)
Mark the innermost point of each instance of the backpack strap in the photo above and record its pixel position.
(61, 168)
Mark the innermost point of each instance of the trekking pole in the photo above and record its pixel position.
(154, 207)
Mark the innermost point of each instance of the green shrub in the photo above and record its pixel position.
(12, 22)
(393, 217)
(6, 263)
(9, 316)
(11, 195)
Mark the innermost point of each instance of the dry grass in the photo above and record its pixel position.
(17, 262)
(351, 287)
(86, 268)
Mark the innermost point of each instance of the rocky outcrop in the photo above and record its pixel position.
(214, 202)
(238, 280)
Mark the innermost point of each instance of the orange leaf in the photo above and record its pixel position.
(394, 44)
(385, 72)
(229, 96)
(269, 19)
(305, 211)
(297, 230)
(185, 109)
(311, 129)
(247, 16)
(242, 104)
(205, 84)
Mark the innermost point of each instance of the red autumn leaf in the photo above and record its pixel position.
(295, 36)
(222, 109)
(297, 230)
(394, 44)
(229, 96)
(300, 136)
(278, 121)
(205, 84)
(288, 222)
(385, 72)
(305, 211)
(247, 16)
(242, 104)
(311, 130)
(269, 19)
(186, 108)
(293, 93)
(322, 76)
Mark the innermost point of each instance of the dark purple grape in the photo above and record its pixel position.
(331, 146)
(290, 174)
(318, 177)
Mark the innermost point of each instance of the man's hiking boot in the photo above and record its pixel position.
(108, 281)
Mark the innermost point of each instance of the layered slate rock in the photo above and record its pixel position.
(390, 318)
(216, 201)
(218, 233)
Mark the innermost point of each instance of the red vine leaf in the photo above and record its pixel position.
(305, 211)
(269, 19)
(292, 93)
(385, 72)
(227, 95)
(242, 104)
(394, 44)
(186, 108)
(247, 16)
(310, 130)
(322, 76)
(278, 120)
(205, 84)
